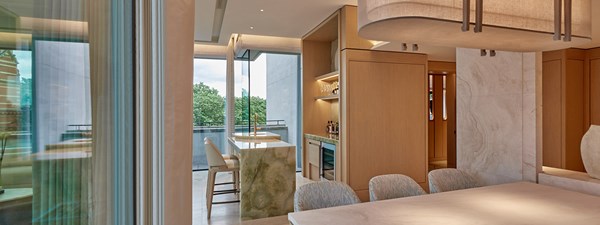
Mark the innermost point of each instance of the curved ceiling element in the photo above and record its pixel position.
(510, 25)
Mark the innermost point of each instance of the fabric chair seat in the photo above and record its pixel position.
(442, 180)
(323, 194)
(393, 186)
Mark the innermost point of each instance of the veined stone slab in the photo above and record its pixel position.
(267, 178)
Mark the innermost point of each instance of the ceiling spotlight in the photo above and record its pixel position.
(262, 10)
(415, 47)
(483, 52)
(251, 28)
(492, 53)
(404, 47)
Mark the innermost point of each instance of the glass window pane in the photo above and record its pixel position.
(209, 108)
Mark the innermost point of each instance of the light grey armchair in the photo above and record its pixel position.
(393, 186)
(442, 180)
(323, 194)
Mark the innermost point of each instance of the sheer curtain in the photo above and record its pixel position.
(111, 54)
(82, 69)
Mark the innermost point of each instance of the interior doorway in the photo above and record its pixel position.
(442, 115)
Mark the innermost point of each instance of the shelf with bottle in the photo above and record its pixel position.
(329, 91)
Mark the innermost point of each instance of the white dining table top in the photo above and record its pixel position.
(514, 203)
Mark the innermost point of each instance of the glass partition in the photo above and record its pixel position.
(243, 117)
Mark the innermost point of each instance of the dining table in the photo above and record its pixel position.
(512, 203)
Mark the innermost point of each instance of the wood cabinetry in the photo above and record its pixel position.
(384, 116)
(568, 104)
(381, 106)
(313, 153)
(594, 86)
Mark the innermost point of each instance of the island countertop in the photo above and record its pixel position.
(240, 145)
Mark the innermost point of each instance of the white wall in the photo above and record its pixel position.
(496, 115)
(62, 89)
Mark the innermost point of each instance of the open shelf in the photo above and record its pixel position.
(333, 76)
(328, 97)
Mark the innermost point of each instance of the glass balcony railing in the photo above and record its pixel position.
(216, 132)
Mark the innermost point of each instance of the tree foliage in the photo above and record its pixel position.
(209, 107)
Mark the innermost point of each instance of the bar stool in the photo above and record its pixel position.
(220, 163)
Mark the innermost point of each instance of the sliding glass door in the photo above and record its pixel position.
(66, 112)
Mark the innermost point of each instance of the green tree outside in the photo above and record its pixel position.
(209, 107)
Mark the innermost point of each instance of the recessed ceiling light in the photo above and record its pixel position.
(251, 28)
(262, 10)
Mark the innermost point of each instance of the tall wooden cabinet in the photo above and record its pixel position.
(381, 104)
(570, 96)
(384, 116)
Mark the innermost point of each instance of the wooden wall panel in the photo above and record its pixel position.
(387, 114)
(440, 124)
(573, 114)
(552, 125)
(595, 91)
(179, 73)
(349, 30)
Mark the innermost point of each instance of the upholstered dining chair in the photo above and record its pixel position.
(393, 186)
(442, 180)
(323, 194)
(220, 163)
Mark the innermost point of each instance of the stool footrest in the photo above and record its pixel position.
(226, 202)
(222, 192)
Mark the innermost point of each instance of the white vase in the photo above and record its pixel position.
(590, 151)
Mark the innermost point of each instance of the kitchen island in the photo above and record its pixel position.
(267, 176)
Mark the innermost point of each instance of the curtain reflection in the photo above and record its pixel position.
(66, 116)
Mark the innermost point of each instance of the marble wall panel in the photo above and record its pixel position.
(496, 115)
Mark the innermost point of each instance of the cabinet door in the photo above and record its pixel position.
(595, 91)
(314, 156)
(552, 122)
(387, 121)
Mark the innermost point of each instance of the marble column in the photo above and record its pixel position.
(496, 116)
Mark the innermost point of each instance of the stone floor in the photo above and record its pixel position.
(226, 213)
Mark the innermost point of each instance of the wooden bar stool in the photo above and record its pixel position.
(220, 163)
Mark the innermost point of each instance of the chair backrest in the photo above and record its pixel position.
(323, 194)
(393, 186)
(213, 155)
(442, 180)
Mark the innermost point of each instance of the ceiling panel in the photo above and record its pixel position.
(281, 18)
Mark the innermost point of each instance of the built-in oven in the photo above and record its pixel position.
(327, 161)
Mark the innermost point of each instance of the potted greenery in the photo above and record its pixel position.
(3, 137)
